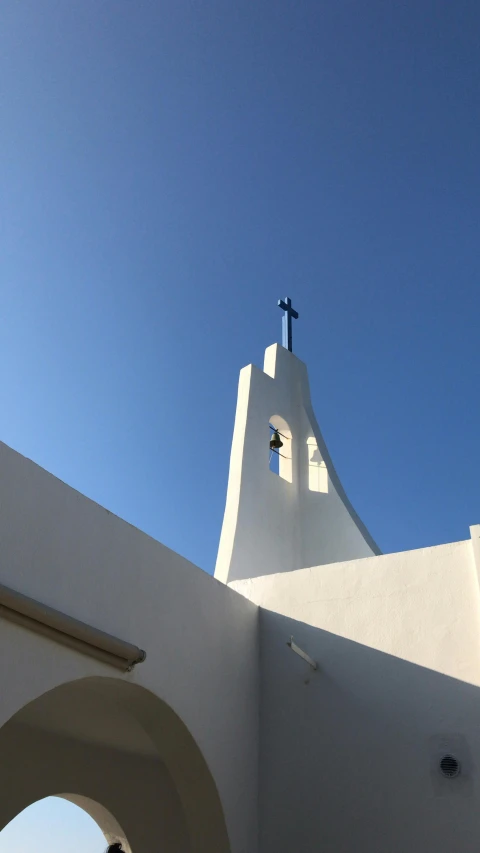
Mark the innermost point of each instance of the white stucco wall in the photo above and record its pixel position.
(422, 606)
(272, 525)
(201, 638)
(350, 752)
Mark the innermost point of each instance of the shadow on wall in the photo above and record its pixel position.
(350, 755)
(351, 752)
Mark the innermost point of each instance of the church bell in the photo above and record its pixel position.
(275, 441)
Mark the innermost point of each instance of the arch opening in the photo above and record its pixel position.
(281, 459)
(317, 470)
(55, 821)
(129, 760)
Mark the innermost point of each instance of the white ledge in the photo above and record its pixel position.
(67, 631)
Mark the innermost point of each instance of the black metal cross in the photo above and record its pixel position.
(287, 321)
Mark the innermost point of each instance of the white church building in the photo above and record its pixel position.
(314, 696)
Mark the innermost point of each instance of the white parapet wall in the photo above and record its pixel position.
(422, 606)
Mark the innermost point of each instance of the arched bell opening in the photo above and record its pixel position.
(280, 444)
(317, 470)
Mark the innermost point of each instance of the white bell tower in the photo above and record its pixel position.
(301, 516)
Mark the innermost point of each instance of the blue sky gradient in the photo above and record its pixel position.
(52, 826)
(168, 171)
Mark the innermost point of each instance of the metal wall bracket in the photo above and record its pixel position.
(301, 653)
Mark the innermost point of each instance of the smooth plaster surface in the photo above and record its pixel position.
(422, 606)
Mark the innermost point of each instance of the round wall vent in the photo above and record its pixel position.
(449, 766)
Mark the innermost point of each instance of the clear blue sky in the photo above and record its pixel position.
(52, 826)
(168, 170)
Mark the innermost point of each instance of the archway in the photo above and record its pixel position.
(122, 750)
(281, 460)
(62, 823)
(317, 470)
